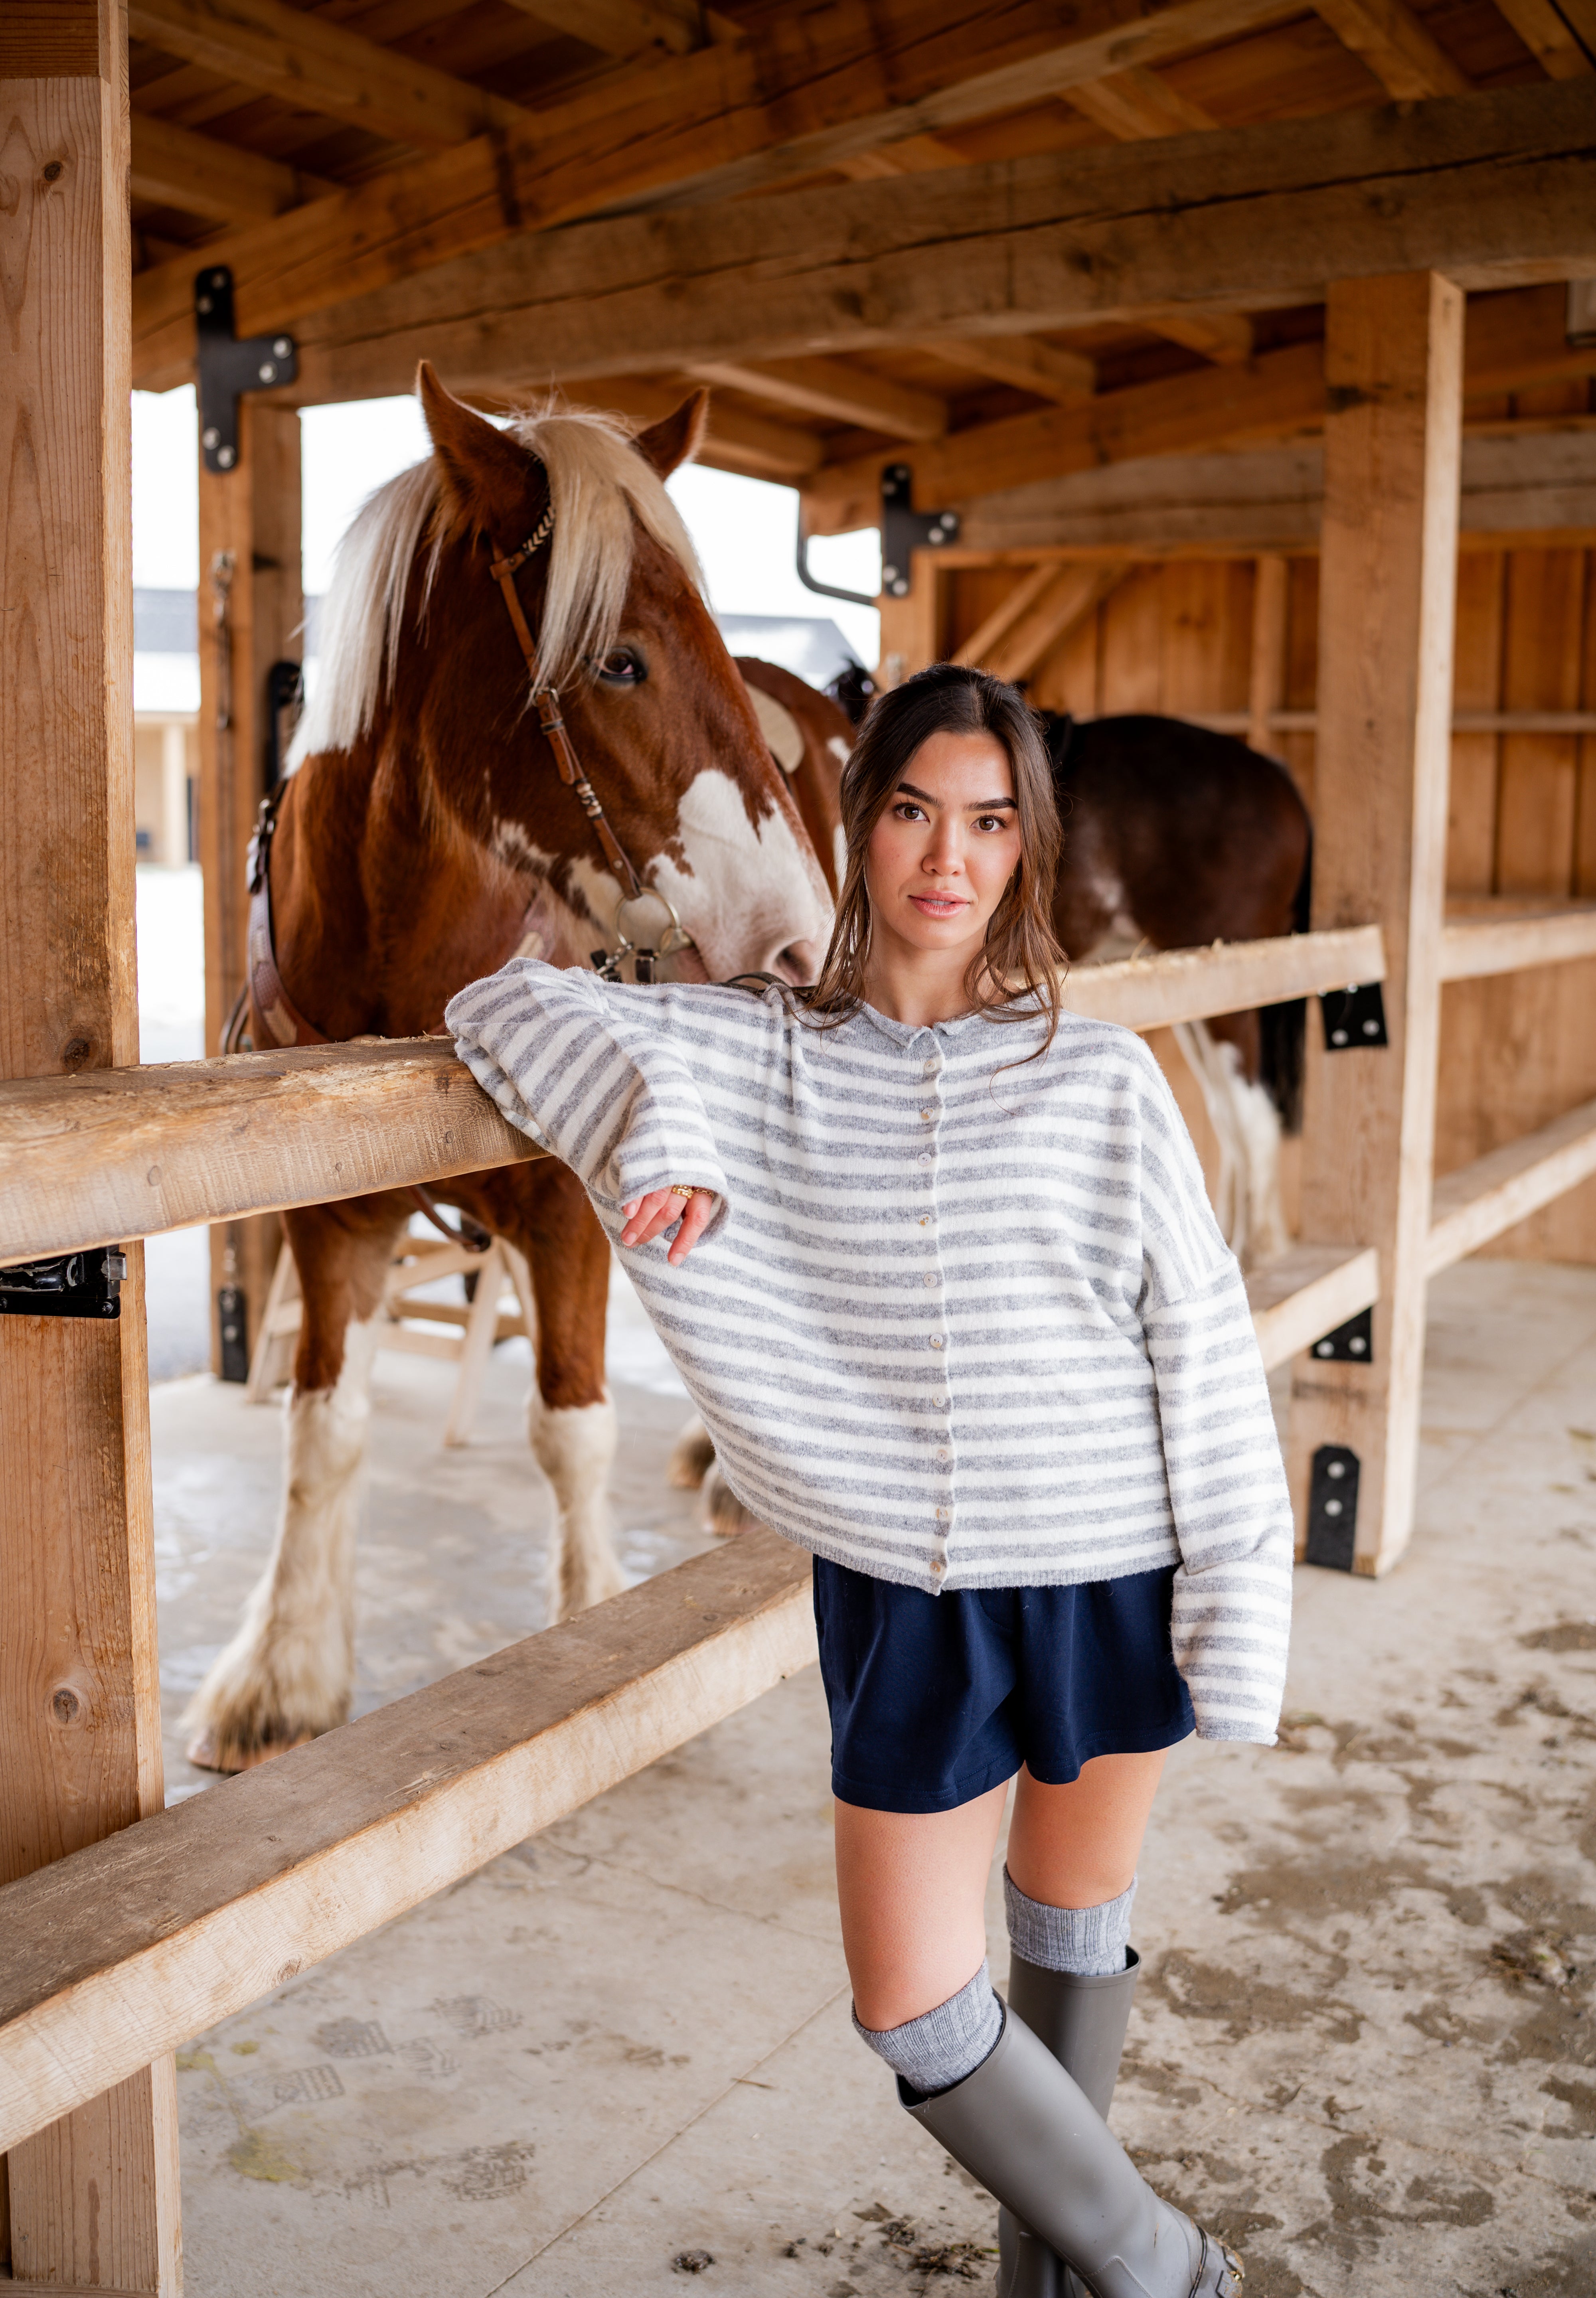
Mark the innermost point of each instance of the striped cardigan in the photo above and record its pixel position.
(954, 1323)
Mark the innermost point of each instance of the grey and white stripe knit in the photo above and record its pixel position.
(954, 1323)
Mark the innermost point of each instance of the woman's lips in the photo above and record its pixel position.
(939, 906)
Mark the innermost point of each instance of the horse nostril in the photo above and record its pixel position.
(794, 962)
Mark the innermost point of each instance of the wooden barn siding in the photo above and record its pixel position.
(1518, 1050)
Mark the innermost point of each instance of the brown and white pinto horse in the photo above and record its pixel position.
(425, 835)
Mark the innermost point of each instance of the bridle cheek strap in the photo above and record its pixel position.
(549, 718)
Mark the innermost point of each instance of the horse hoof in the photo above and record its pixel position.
(724, 1514)
(206, 1755)
(692, 1456)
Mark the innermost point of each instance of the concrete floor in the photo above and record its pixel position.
(1365, 2048)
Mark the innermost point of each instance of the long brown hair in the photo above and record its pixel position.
(1020, 963)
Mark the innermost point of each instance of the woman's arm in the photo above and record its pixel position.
(579, 1068)
(1232, 1606)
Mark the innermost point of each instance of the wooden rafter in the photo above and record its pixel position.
(202, 176)
(630, 28)
(1403, 54)
(1546, 35)
(756, 445)
(322, 66)
(838, 391)
(1038, 616)
(1066, 376)
(1493, 188)
(1138, 103)
(789, 99)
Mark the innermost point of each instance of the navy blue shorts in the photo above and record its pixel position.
(935, 1698)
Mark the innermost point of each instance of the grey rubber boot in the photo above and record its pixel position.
(1083, 2023)
(1029, 2132)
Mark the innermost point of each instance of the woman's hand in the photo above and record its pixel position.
(647, 1216)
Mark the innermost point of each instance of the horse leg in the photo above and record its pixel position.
(570, 1419)
(1223, 1053)
(288, 1672)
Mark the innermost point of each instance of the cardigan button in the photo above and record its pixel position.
(937, 1340)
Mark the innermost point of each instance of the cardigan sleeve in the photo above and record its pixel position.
(584, 1073)
(1232, 1598)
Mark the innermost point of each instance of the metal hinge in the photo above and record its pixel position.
(224, 366)
(72, 1284)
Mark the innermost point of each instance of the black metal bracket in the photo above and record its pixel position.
(72, 1284)
(226, 367)
(1352, 1343)
(906, 530)
(1354, 1016)
(233, 1326)
(1333, 1507)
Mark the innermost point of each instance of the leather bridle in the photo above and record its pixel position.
(550, 718)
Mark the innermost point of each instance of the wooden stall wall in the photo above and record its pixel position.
(1175, 636)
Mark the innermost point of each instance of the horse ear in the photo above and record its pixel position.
(488, 474)
(675, 439)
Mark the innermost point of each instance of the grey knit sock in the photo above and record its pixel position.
(1086, 1942)
(941, 2046)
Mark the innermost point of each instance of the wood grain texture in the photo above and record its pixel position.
(93, 2198)
(1398, 47)
(204, 176)
(138, 1152)
(251, 605)
(1474, 1205)
(1474, 947)
(141, 1941)
(1493, 186)
(1387, 576)
(1305, 1293)
(1186, 985)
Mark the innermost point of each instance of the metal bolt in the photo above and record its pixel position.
(1357, 1345)
(203, 303)
(226, 459)
(1371, 1028)
(283, 346)
(1336, 1468)
(1338, 1036)
(211, 436)
(268, 373)
(1332, 1508)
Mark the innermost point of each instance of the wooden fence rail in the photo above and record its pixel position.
(122, 1951)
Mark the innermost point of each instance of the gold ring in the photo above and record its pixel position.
(679, 1189)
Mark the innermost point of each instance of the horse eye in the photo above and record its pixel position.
(622, 667)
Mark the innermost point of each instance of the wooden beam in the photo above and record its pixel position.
(1387, 584)
(1496, 1192)
(1473, 947)
(251, 606)
(204, 176)
(1546, 36)
(134, 1946)
(93, 2198)
(1497, 189)
(108, 1155)
(1280, 396)
(1189, 985)
(319, 66)
(1226, 337)
(1401, 51)
(1305, 1293)
(1066, 377)
(1001, 621)
(628, 27)
(1067, 595)
(839, 392)
(1137, 103)
(759, 446)
(1580, 15)
(803, 94)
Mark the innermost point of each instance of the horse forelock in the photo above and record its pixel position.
(602, 491)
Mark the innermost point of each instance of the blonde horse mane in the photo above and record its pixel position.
(599, 483)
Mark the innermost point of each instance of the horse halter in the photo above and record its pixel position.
(546, 698)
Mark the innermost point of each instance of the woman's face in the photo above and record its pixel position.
(943, 852)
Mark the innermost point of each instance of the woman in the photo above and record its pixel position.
(935, 1260)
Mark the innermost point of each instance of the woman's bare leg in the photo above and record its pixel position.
(911, 1886)
(1078, 1846)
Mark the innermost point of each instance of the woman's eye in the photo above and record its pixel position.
(990, 821)
(622, 667)
(908, 811)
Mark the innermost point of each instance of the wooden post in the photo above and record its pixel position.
(1388, 578)
(252, 604)
(912, 627)
(1266, 685)
(93, 2199)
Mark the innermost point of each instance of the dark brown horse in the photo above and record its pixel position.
(425, 835)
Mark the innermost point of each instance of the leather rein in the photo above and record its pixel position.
(263, 985)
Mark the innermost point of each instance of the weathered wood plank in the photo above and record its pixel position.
(1495, 187)
(134, 1945)
(1306, 1292)
(1393, 359)
(1477, 1203)
(1188, 984)
(102, 1158)
(1472, 947)
(95, 2196)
